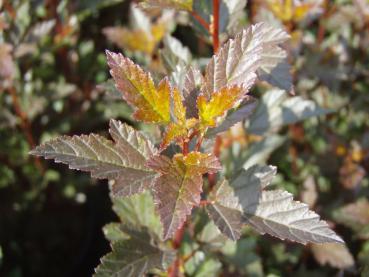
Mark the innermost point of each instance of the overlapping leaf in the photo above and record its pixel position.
(225, 210)
(123, 160)
(180, 125)
(134, 257)
(177, 190)
(241, 113)
(276, 213)
(152, 104)
(238, 61)
(219, 103)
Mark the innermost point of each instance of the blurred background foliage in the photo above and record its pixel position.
(54, 80)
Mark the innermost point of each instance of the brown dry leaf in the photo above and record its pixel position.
(334, 254)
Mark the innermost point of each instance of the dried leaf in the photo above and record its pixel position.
(177, 190)
(152, 104)
(334, 254)
(124, 161)
(225, 210)
(133, 257)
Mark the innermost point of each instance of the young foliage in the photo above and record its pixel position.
(177, 190)
(190, 107)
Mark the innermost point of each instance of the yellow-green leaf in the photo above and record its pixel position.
(151, 104)
(180, 126)
(174, 4)
(219, 103)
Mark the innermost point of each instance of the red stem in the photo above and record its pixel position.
(173, 271)
(215, 29)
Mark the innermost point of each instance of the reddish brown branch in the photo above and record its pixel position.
(25, 125)
(215, 29)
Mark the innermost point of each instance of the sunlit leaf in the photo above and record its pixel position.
(238, 61)
(152, 104)
(133, 257)
(241, 113)
(219, 103)
(225, 210)
(177, 190)
(123, 160)
(276, 213)
(180, 125)
(175, 4)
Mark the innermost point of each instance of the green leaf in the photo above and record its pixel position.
(177, 190)
(174, 4)
(225, 210)
(134, 257)
(138, 211)
(124, 160)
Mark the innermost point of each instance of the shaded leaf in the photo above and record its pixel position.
(138, 211)
(225, 210)
(241, 113)
(179, 186)
(134, 257)
(276, 109)
(123, 160)
(333, 254)
(151, 104)
(355, 216)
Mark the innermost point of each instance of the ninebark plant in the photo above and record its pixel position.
(188, 174)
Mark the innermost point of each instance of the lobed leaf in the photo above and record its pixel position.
(225, 210)
(179, 127)
(177, 190)
(123, 160)
(134, 257)
(151, 104)
(274, 212)
(219, 103)
(241, 113)
(238, 61)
